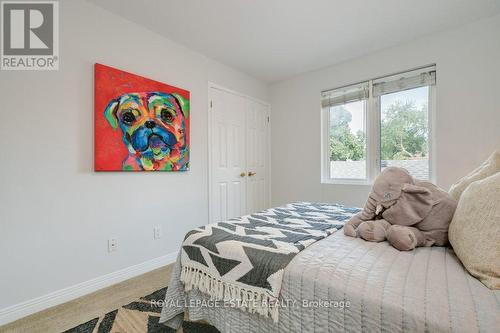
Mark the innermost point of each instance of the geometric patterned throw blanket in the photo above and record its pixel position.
(240, 262)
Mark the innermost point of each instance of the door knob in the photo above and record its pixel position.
(250, 174)
(243, 174)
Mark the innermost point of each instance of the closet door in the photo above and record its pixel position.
(238, 154)
(228, 155)
(257, 153)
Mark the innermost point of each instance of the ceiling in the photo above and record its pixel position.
(277, 39)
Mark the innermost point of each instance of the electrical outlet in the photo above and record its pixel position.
(112, 244)
(157, 232)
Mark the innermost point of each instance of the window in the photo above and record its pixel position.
(376, 124)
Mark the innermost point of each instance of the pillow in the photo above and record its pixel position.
(488, 168)
(475, 230)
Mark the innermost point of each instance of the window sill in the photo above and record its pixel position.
(362, 182)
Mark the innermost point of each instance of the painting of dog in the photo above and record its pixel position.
(141, 124)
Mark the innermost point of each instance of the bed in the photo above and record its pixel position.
(341, 283)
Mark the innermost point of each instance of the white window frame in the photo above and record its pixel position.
(372, 116)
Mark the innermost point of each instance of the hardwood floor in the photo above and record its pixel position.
(65, 316)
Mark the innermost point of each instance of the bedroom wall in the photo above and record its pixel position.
(56, 214)
(467, 110)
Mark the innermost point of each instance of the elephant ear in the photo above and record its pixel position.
(413, 205)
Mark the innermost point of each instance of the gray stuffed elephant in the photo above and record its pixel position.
(403, 211)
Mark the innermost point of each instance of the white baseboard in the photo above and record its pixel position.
(34, 305)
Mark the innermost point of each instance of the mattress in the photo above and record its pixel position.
(346, 284)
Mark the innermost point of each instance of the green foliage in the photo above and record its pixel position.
(404, 132)
(344, 145)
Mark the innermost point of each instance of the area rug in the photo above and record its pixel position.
(139, 316)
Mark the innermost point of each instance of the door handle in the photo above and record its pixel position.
(250, 174)
(243, 174)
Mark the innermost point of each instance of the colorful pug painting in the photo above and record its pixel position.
(140, 124)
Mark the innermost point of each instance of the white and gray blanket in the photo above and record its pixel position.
(242, 260)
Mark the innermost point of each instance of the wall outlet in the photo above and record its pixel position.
(112, 244)
(157, 232)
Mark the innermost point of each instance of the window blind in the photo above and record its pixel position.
(352, 93)
(404, 81)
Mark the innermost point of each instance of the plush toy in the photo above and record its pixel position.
(406, 212)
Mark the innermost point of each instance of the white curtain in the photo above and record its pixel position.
(352, 93)
(409, 80)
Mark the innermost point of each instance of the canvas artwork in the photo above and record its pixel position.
(140, 124)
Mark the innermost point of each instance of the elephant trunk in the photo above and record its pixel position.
(368, 213)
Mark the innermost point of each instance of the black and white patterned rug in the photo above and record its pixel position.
(140, 316)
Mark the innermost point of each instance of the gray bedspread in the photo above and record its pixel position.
(426, 290)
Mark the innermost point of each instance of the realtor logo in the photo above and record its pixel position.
(30, 35)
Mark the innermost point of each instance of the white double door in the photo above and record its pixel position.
(239, 151)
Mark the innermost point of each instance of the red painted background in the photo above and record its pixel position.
(109, 83)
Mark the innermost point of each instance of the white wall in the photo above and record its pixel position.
(56, 214)
(467, 115)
